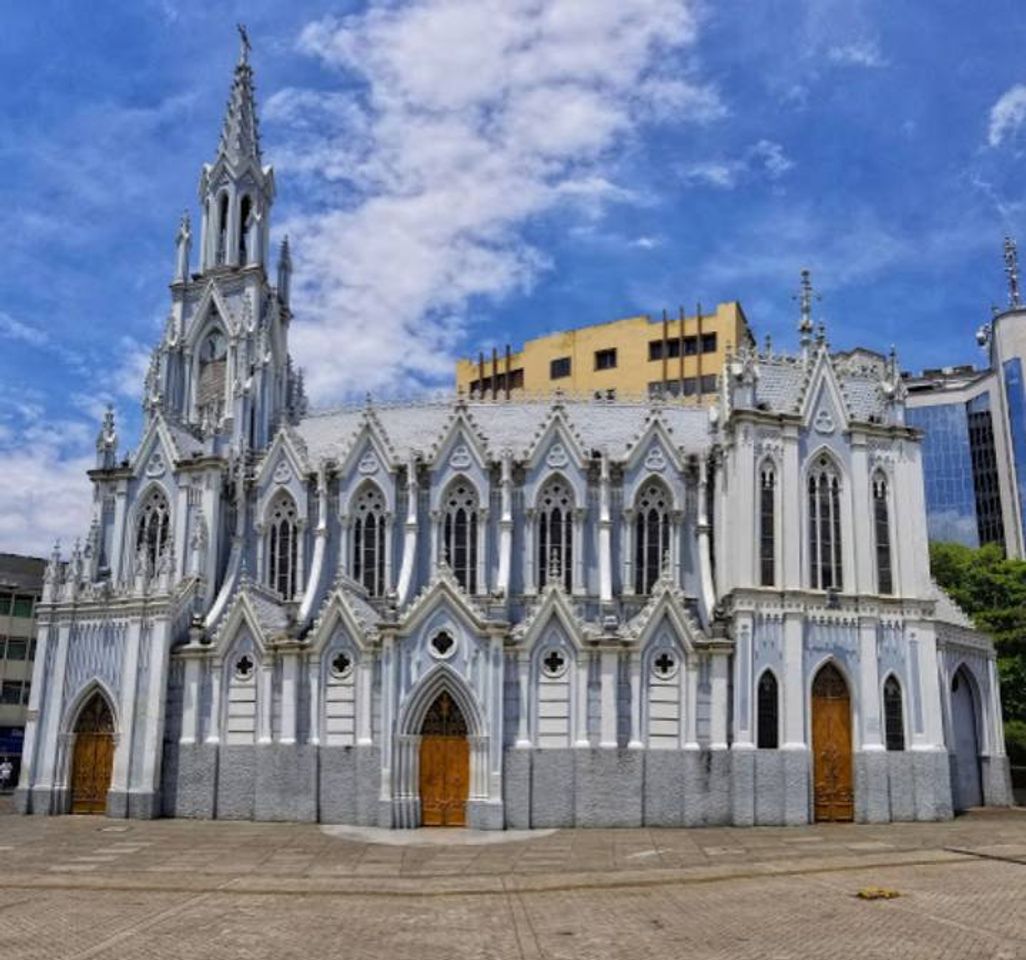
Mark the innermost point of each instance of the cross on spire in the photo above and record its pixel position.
(1012, 272)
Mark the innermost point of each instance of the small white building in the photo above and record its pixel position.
(546, 613)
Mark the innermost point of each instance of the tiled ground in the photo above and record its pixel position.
(76, 887)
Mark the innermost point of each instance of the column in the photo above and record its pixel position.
(530, 577)
(691, 704)
(609, 664)
(53, 707)
(582, 668)
(313, 679)
(190, 697)
(506, 525)
(28, 751)
(214, 728)
(363, 700)
(156, 688)
(289, 680)
(482, 541)
(389, 535)
(743, 682)
(129, 680)
(627, 550)
(387, 708)
(794, 687)
(524, 689)
(577, 581)
(718, 717)
(605, 536)
(932, 736)
(265, 705)
(869, 685)
(635, 742)
(995, 734)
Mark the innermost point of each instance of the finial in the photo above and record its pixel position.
(769, 345)
(805, 297)
(1012, 271)
(244, 45)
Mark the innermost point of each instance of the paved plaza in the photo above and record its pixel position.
(77, 887)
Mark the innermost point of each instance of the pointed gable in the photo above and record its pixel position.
(554, 604)
(823, 407)
(667, 605)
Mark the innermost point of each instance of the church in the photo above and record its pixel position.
(497, 613)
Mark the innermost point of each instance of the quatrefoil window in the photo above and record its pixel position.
(341, 665)
(244, 667)
(664, 666)
(554, 663)
(442, 644)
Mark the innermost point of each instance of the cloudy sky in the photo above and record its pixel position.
(461, 173)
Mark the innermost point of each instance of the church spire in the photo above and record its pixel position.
(805, 297)
(1012, 272)
(240, 134)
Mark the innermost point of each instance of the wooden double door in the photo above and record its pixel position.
(833, 793)
(444, 765)
(93, 759)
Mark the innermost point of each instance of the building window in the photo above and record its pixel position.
(555, 533)
(22, 607)
(989, 518)
(767, 528)
(5, 604)
(17, 649)
(605, 359)
(690, 386)
(244, 218)
(459, 534)
(894, 720)
(709, 383)
(690, 346)
(153, 529)
(657, 350)
(708, 343)
(882, 529)
(651, 536)
(283, 547)
(222, 230)
(824, 526)
(559, 368)
(10, 692)
(369, 541)
(767, 714)
(210, 387)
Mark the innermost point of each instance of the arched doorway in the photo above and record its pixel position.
(93, 759)
(967, 789)
(831, 746)
(444, 765)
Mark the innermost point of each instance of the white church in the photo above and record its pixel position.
(497, 613)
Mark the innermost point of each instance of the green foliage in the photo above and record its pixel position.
(1015, 742)
(991, 588)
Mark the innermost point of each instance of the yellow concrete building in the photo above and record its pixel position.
(678, 356)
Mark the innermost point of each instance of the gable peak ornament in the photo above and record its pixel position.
(282, 473)
(824, 421)
(557, 456)
(656, 459)
(155, 466)
(368, 464)
(460, 458)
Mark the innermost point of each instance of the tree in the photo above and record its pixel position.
(991, 588)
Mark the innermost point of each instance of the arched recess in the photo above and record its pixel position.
(93, 732)
(221, 233)
(370, 538)
(283, 547)
(461, 543)
(767, 518)
(652, 541)
(966, 740)
(556, 541)
(245, 215)
(151, 527)
(880, 490)
(893, 699)
(406, 776)
(767, 711)
(833, 778)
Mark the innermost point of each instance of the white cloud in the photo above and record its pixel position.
(11, 329)
(646, 242)
(857, 53)
(765, 157)
(1007, 115)
(474, 117)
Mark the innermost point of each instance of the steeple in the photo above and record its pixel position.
(1012, 272)
(805, 297)
(240, 134)
(236, 190)
(284, 272)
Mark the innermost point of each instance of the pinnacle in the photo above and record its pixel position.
(240, 134)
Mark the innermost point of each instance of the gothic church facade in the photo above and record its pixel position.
(500, 614)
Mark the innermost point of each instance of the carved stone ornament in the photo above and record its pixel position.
(460, 458)
(282, 473)
(156, 467)
(824, 422)
(557, 456)
(656, 459)
(368, 464)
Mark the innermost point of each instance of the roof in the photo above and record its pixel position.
(947, 611)
(409, 428)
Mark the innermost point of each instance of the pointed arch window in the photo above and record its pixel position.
(768, 713)
(245, 211)
(651, 536)
(283, 546)
(153, 529)
(368, 564)
(894, 715)
(882, 531)
(767, 525)
(555, 533)
(459, 533)
(222, 230)
(210, 385)
(825, 571)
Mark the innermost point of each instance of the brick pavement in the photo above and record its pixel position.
(76, 887)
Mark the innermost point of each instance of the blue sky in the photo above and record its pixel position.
(461, 173)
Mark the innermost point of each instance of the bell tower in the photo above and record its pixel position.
(236, 191)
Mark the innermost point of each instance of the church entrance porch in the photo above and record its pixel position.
(93, 758)
(831, 747)
(444, 765)
(967, 789)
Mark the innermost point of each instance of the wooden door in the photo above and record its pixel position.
(93, 758)
(833, 796)
(444, 766)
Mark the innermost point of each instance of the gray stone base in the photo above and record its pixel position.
(349, 784)
(142, 806)
(996, 774)
(607, 787)
(190, 778)
(663, 788)
(41, 802)
(516, 787)
(742, 787)
(797, 781)
(901, 785)
(117, 804)
(872, 791)
(931, 784)
(552, 788)
(285, 782)
(236, 783)
(22, 801)
(483, 815)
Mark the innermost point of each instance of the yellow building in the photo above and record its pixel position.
(675, 356)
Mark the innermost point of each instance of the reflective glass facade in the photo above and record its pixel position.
(1012, 371)
(989, 518)
(947, 472)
